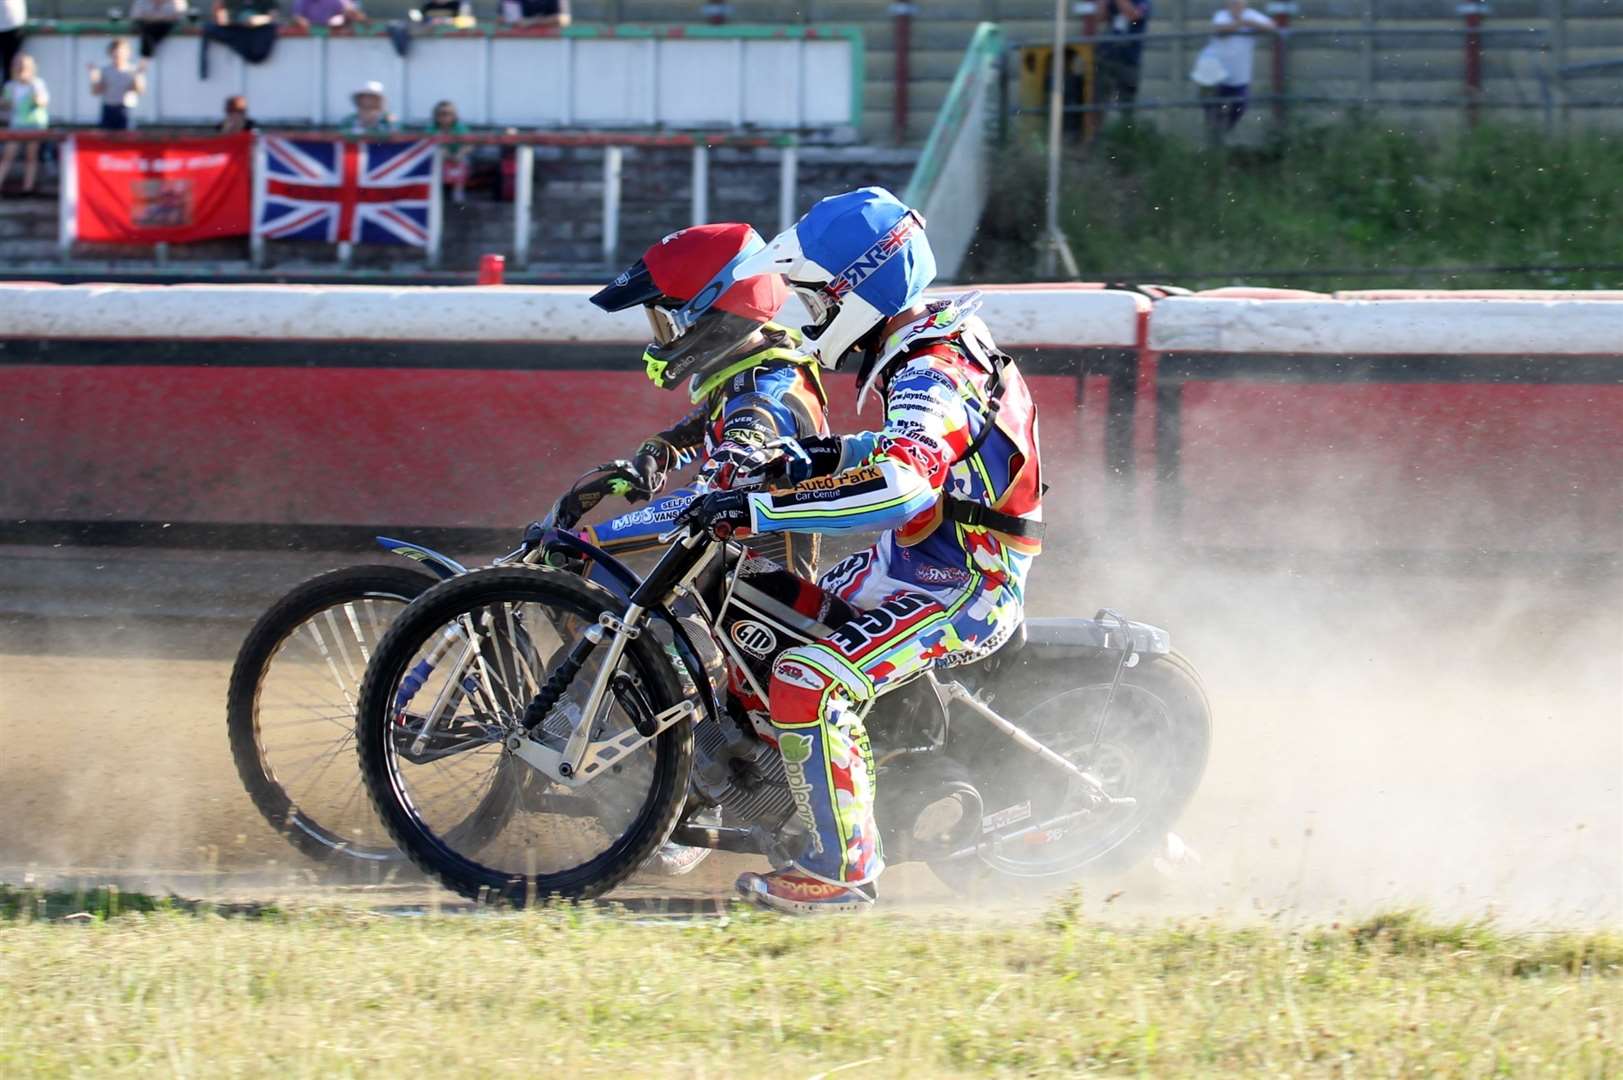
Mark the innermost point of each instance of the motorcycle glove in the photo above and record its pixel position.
(803, 459)
(652, 462)
(724, 514)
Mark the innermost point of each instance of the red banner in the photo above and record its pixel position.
(177, 191)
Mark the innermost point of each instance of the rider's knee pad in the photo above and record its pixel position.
(798, 690)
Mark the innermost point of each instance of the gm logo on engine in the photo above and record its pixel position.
(754, 638)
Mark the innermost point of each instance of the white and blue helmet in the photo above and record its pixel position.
(854, 260)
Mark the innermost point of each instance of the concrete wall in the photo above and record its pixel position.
(313, 415)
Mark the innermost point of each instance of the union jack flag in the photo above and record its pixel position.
(882, 251)
(360, 193)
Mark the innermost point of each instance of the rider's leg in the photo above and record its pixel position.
(818, 697)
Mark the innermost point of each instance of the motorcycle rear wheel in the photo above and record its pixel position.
(507, 870)
(1155, 746)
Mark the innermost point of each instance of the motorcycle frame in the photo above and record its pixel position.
(1108, 633)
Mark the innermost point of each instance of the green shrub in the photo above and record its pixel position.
(1370, 205)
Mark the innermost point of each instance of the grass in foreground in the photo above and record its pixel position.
(569, 993)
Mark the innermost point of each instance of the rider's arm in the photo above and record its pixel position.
(674, 446)
(885, 477)
(748, 420)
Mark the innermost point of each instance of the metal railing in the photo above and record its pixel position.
(1493, 68)
(950, 181)
(613, 144)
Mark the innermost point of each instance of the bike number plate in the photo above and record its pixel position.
(1009, 815)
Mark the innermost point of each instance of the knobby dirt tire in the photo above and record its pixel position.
(1172, 679)
(280, 622)
(673, 748)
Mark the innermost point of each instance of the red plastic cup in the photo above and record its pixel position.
(491, 269)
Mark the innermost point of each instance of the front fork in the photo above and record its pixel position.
(619, 631)
(586, 753)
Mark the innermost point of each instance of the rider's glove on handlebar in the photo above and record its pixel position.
(802, 459)
(653, 460)
(725, 514)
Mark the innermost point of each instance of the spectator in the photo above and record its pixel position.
(371, 115)
(246, 12)
(308, 13)
(26, 100)
(154, 19)
(446, 12)
(1121, 57)
(236, 118)
(13, 17)
(119, 86)
(454, 167)
(536, 12)
(1224, 66)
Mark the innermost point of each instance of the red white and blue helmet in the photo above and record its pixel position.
(854, 260)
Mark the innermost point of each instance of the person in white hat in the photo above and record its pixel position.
(1223, 68)
(371, 115)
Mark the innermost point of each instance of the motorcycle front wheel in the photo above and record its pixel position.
(290, 710)
(448, 685)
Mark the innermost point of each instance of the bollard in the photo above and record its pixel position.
(491, 269)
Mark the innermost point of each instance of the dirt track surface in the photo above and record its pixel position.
(1449, 740)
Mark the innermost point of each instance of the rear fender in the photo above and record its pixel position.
(1105, 635)
(443, 565)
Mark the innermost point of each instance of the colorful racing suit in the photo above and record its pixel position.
(955, 477)
(771, 394)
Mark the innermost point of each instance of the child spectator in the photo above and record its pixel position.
(536, 12)
(154, 20)
(119, 85)
(13, 17)
(371, 116)
(1224, 66)
(26, 99)
(308, 13)
(454, 166)
(236, 117)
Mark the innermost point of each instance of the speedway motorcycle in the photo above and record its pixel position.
(539, 728)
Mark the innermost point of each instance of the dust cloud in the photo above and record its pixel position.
(1452, 740)
(1384, 735)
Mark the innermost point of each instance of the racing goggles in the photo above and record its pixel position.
(663, 321)
(820, 308)
(670, 323)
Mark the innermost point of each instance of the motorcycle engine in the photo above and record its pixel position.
(742, 773)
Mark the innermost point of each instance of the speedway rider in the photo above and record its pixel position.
(954, 478)
(746, 377)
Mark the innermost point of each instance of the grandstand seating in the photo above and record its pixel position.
(1416, 67)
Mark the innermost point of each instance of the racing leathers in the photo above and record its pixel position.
(954, 477)
(770, 394)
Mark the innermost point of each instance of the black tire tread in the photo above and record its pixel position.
(273, 627)
(1173, 666)
(432, 608)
